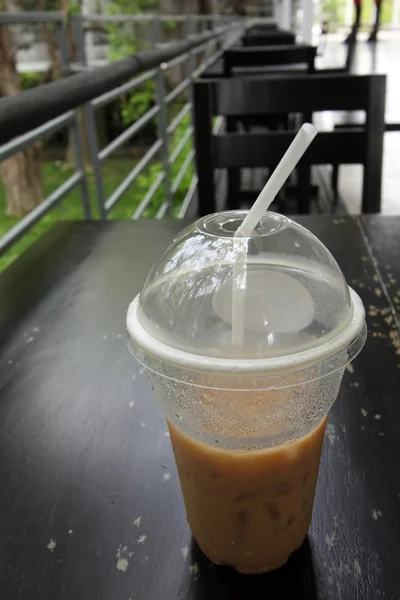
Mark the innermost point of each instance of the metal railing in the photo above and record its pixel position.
(68, 119)
(163, 99)
(193, 56)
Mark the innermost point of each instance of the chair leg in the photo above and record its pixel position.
(304, 190)
(335, 184)
(233, 197)
(233, 187)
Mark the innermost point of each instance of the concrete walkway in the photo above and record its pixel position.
(383, 57)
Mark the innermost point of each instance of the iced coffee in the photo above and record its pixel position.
(249, 510)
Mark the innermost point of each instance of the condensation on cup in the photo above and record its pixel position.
(246, 392)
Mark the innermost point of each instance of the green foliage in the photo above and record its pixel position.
(171, 25)
(30, 79)
(132, 7)
(74, 8)
(138, 103)
(387, 12)
(132, 198)
(125, 40)
(114, 171)
(334, 11)
(368, 13)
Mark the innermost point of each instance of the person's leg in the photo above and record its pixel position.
(374, 33)
(353, 33)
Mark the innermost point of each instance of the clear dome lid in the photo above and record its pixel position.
(279, 292)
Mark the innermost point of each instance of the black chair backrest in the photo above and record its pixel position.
(236, 97)
(268, 38)
(224, 68)
(263, 27)
(262, 56)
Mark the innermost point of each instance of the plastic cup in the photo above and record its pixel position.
(247, 419)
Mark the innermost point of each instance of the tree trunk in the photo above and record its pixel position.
(22, 181)
(21, 173)
(56, 73)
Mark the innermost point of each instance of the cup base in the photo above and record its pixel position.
(257, 570)
(252, 569)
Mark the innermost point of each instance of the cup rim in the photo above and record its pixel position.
(266, 366)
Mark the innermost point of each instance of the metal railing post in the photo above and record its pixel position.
(94, 156)
(77, 24)
(61, 36)
(80, 163)
(190, 63)
(189, 69)
(90, 121)
(162, 120)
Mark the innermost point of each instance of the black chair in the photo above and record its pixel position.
(293, 59)
(269, 38)
(234, 98)
(257, 57)
(288, 60)
(284, 59)
(265, 60)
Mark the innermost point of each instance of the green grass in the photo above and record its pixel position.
(70, 208)
(113, 171)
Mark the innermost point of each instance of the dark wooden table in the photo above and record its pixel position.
(90, 505)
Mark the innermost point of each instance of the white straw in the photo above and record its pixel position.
(238, 292)
(288, 162)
